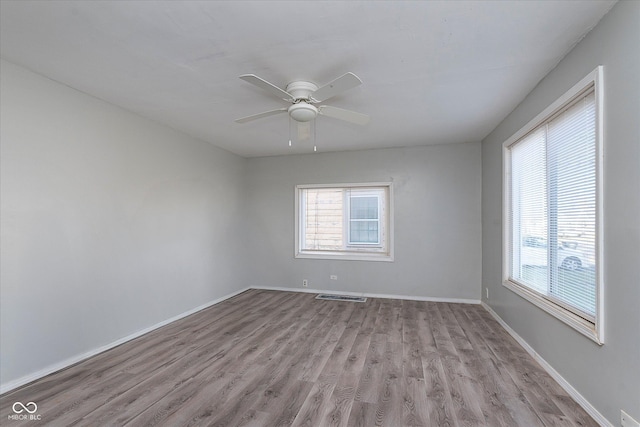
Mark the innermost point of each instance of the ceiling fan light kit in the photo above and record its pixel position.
(303, 112)
(302, 95)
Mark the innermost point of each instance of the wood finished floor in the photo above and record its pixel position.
(267, 358)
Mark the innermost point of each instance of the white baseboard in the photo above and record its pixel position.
(11, 385)
(591, 410)
(368, 295)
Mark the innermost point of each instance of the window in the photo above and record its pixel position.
(552, 185)
(347, 221)
(364, 217)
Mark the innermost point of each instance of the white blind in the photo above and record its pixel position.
(552, 192)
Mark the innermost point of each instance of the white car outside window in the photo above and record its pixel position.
(534, 252)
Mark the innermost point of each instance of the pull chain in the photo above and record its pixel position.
(315, 124)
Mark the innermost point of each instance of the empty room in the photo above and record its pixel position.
(320, 213)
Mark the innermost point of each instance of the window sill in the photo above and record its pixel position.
(581, 325)
(345, 256)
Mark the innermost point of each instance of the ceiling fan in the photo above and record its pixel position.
(303, 95)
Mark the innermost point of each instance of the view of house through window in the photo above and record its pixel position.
(343, 220)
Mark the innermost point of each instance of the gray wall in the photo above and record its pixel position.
(110, 223)
(607, 376)
(437, 221)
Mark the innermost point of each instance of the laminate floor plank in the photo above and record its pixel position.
(363, 414)
(334, 365)
(265, 389)
(183, 404)
(438, 395)
(373, 310)
(371, 378)
(337, 411)
(389, 320)
(461, 387)
(285, 410)
(262, 388)
(315, 405)
(491, 407)
(415, 411)
(389, 409)
(269, 358)
(323, 346)
(478, 360)
(411, 345)
(343, 396)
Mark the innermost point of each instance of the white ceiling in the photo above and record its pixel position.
(434, 72)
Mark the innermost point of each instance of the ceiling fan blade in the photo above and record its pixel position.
(265, 85)
(339, 85)
(261, 115)
(342, 114)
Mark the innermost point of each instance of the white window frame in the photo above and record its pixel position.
(361, 254)
(349, 220)
(591, 329)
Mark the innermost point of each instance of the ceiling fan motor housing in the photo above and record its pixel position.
(301, 90)
(302, 110)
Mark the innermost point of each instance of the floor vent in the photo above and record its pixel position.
(330, 297)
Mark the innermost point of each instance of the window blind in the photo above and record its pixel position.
(552, 210)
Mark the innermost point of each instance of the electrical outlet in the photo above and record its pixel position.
(305, 283)
(333, 277)
(627, 421)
